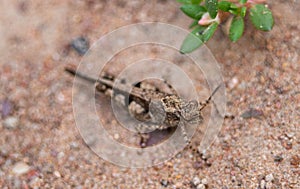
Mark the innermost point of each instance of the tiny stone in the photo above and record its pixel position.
(80, 45)
(179, 155)
(252, 113)
(269, 185)
(57, 174)
(262, 184)
(20, 168)
(295, 160)
(204, 181)
(11, 123)
(164, 183)
(201, 186)
(234, 81)
(209, 162)
(6, 108)
(196, 181)
(116, 136)
(60, 155)
(74, 145)
(290, 135)
(60, 97)
(278, 158)
(269, 178)
(205, 156)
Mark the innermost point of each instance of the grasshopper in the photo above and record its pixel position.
(159, 110)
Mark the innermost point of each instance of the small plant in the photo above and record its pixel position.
(208, 15)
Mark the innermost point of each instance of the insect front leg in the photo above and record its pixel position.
(184, 132)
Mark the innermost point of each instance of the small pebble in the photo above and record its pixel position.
(116, 136)
(6, 108)
(74, 145)
(164, 183)
(57, 174)
(252, 113)
(290, 135)
(80, 45)
(278, 158)
(60, 97)
(196, 181)
(209, 162)
(269, 185)
(201, 186)
(269, 178)
(60, 155)
(262, 184)
(11, 123)
(287, 145)
(295, 160)
(205, 156)
(234, 81)
(204, 181)
(20, 168)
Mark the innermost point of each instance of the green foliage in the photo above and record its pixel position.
(197, 37)
(212, 7)
(224, 6)
(193, 24)
(193, 40)
(236, 28)
(209, 32)
(260, 16)
(193, 11)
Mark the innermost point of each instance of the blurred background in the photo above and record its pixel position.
(40, 146)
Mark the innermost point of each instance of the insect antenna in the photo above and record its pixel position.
(85, 77)
(207, 101)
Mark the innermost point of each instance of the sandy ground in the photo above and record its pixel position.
(40, 146)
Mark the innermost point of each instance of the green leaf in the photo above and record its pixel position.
(236, 29)
(196, 1)
(261, 17)
(193, 40)
(224, 5)
(212, 7)
(193, 24)
(193, 11)
(243, 11)
(233, 9)
(243, 1)
(209, 31)
(189, 1)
